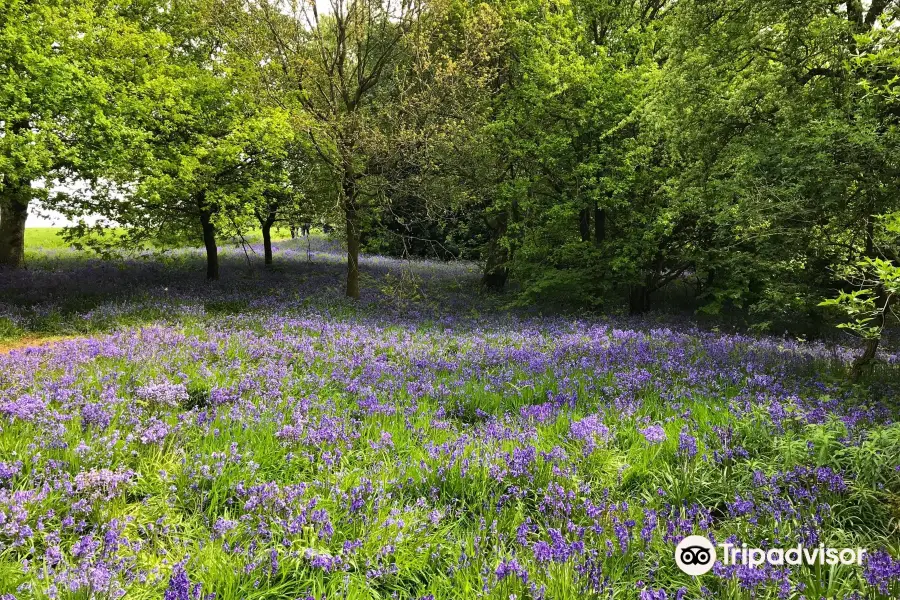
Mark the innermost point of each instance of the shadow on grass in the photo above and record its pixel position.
(66, 292)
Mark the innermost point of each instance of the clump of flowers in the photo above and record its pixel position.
(164, 394)
(103, 483)
(651, 594)
(511, 568)
(8, 470)
(687, 444)
(591, 431)
(180, 587)
(882, 571)
(654, 434)
(386, 442)
(26, 407)
(96, 414)
(154, 432)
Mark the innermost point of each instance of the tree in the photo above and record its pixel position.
(338, 72)
(204, 143)
(276, 186)
(566, 122)
(874, 280)
(766, 103)
(68, 65)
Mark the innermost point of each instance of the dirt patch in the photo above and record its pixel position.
(32, 342)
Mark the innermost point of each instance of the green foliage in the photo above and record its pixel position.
(868, 307)
(69, 73)
(641, 145)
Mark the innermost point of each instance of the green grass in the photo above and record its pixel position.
(47, 238)
(50, 238)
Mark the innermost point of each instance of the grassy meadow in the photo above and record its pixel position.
(44, 238)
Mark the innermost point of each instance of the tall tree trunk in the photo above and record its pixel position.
(13, 213)
(599, 224)
(496, 256)
(868, 355)
(209, 240)
(352, 224)
(638, 299)
(495, 270)
(881, 299)
(267, 236)
(584, 224)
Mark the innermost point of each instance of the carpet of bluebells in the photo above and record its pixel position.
(263, 437)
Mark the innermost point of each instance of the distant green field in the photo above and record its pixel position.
(44, 237)
(49, 238)
(278, 233)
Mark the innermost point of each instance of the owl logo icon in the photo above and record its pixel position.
(695, 555)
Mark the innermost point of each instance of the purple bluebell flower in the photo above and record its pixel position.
(180, 587)
(687, 444)
(654, 434)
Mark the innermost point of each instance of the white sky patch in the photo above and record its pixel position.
(38, 216)
(50, 218)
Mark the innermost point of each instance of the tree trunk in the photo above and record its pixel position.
(871, 348)
(584, 224)
(13, 213)
(209, 240)
(496, 256)
(495, 270)
(599, 224)
(870, 237)
(868, 355)
(352, 224)
(267, 242)
(863, 360)
(267, 236)
(638, 299)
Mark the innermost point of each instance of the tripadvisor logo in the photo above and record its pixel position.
(695, 555)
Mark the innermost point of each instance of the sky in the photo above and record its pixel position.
(47, 218)
(40, 217)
